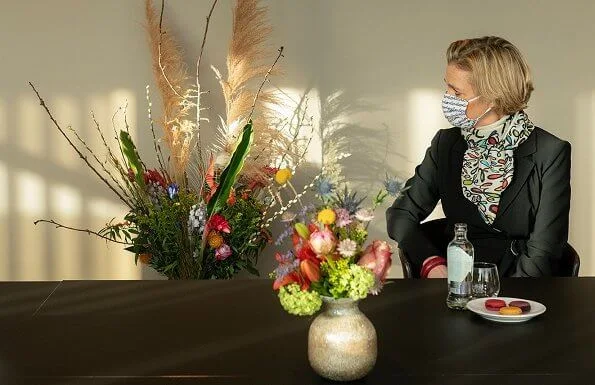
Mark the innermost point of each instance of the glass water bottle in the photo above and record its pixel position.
(459, 255)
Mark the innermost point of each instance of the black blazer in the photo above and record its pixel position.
(531, 227)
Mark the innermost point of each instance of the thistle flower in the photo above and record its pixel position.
(324, 187)
(349, 201)
(393, 186)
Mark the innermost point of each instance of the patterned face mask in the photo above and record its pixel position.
(455, 111)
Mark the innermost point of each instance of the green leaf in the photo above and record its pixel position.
(302, 230)
(250, 269)
(129, 150)
(230, 173)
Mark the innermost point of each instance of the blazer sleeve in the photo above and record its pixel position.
(413, 206)
(550, 232)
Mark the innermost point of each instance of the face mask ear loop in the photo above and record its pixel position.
(482, 115)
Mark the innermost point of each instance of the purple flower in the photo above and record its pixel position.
(284, 235)
(287, 264)
(172, 190)
(305, 211)
(343, 217)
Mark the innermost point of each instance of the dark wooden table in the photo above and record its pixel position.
(235, 332)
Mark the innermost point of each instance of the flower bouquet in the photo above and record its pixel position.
(329, 258)
(329, 264)
(203, 211)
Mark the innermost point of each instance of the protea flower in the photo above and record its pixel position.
(323, 242)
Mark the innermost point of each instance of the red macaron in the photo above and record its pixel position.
(494, 304)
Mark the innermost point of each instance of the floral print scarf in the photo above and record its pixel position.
(488, 164)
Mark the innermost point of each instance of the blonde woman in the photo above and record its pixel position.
(508, 179)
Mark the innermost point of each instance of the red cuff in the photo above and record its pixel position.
(431, 263)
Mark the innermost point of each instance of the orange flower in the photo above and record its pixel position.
(144, 258)
(232, 198)
(215, 240)
(311, 270)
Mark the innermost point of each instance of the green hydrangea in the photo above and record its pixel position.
(361, 282)
(346, 279)
(299, 302)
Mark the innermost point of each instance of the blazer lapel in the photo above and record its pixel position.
(523, 165)
(460, 146)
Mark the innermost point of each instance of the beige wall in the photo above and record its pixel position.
(386, 55)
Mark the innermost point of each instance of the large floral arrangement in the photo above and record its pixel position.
(202, 211)
(329, 257)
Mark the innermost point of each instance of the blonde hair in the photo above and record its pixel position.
(499, 73)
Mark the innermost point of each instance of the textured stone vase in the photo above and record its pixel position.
(342, 343)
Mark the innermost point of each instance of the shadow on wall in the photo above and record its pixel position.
(43, 178)
(338, 131)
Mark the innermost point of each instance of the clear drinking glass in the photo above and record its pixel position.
(485, 280)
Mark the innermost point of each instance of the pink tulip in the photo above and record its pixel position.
(377, 257)
(322, 242)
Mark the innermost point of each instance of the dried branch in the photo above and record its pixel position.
(157, 148)
(80, 154)
(88, 231)
(266, 76)
(198, 91)
(102, 164)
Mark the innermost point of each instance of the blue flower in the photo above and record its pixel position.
(172, 190)
(325, 187)
(393, 186)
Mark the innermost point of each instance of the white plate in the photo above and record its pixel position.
(477, 306)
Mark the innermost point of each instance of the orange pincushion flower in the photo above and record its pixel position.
(215, 240)
(144, 258)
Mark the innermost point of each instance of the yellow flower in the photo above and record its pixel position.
(215, 240)
(282, 176)
(327, 216)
